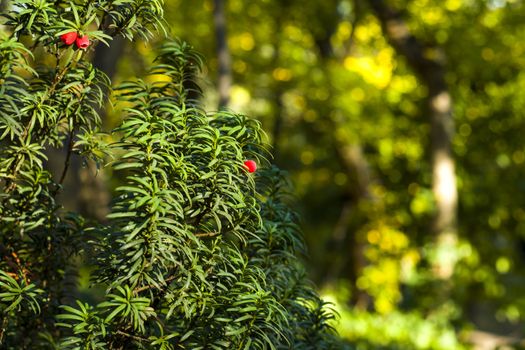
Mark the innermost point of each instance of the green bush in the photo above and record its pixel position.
(197, 253)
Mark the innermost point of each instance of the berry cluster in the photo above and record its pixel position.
(82, 41)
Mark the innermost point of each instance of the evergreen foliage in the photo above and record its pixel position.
(197, 253)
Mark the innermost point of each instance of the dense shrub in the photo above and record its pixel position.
(197, 252)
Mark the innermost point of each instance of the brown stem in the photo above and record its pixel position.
(131, 336)
(66, 163)
(5, 320)
(150, 286)
(207, 234)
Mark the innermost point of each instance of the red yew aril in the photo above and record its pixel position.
(82, 42)
(69, 38)
(250, 165)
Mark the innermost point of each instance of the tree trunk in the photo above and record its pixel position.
(4, 6)
(277, 129)
(428, 64)
(357, 194)
(346, 246)
(106, 58)
(223, 54)
(85, 188)
(278, 89)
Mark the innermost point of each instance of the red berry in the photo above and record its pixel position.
(69, 38)
(82, 42)
(250, 165)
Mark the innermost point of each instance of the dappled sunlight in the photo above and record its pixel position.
(392, 330)
(240, 98)
(374, 70)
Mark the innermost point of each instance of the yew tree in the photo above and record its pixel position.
(200, 249)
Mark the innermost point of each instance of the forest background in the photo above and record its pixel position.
(401, 125)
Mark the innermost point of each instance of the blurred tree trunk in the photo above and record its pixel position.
(94, 195)
(346, 247)
(278, 123)
(223, 54)
(356, 197)
(85, 187)
(278, 90)
(428, 63)
(106, 58)
(3, 7)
